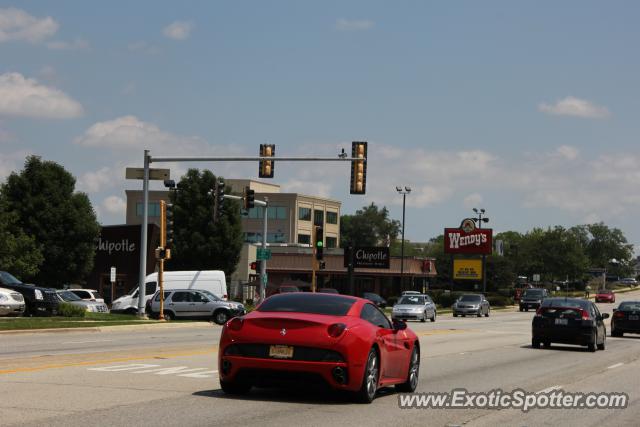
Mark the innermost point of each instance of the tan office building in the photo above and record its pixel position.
(291, 217)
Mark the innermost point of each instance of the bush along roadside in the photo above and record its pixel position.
(69, 310)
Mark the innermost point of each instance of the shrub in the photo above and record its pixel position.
(69, 310)
(391, 301)
(499, 300)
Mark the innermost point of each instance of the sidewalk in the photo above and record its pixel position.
(117, 328)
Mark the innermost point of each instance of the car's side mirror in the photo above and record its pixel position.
(605, 315)
(399, 325)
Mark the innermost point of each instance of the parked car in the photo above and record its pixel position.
(88, 294)
(196, 303)
(11, 303)
(532, 298)
(629, 281)
(38, 301)
(472, 304)
(91, 306)
(328, 291)
(414, 307)
(569, 321)
(341, 341)
(605, 295)
(626, 319)
(375, 298)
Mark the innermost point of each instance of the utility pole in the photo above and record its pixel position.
(263, 264)
(404, 193)
(481, 218)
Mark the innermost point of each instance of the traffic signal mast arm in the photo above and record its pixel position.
(253, 159)
(257, 202)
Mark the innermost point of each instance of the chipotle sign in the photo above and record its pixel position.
(475, 241)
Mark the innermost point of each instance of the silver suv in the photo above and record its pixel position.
(196, 303)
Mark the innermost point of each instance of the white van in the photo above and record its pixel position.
(213, 281)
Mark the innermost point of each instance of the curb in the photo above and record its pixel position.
(114, 328)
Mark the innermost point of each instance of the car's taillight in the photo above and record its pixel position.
(336, 329)
(225, 296)
(585, 315)
(539, 311)
(618, 314)
(235, 324)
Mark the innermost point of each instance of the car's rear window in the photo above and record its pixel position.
(533, 293)
(566, 302)
(470, 298)
(332, 305)
(629, 306)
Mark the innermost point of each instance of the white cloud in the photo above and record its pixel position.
(571, 106)
(179, 30)
(114, 205)
(23, 97)
(95, 181)
(77, 44)
(354, 25)
(17, 25)
(568, 152)
(472, 200)
(130, 133)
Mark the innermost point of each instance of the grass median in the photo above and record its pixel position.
(91, 320)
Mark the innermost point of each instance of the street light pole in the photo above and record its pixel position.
(482, 218)
(404, 193)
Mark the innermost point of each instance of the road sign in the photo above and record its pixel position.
(536, 278)
(263, 254)
(154, 174)
(113, 274)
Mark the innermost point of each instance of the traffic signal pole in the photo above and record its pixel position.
(263, 264)
(359, 157)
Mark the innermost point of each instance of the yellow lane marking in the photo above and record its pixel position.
(103, 361)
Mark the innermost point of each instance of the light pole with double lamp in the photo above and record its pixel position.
(481, 218)
(404, 193)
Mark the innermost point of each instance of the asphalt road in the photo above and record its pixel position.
(167, 375)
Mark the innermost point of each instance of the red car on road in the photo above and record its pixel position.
(605, 295)
(339, 340)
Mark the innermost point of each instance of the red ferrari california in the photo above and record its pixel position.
(343, 341)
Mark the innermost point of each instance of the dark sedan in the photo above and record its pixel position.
(39, 301)
(569, 321)
(375, 298)
(626, 319)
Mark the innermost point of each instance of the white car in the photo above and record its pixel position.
(88, 294)
(11, 303)
(629, 281)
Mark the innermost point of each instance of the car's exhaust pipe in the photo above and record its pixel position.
(339, 375)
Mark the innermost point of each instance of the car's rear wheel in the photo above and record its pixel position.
(168, 315)
(411, 384)
(592, 345)
(487, 313)
(616, 333)
(220, 317)
(433, 318)
(455, 314)
(535, 343)
(235, 387)
(369, 387)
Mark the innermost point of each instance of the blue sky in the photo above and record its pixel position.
(529, 110)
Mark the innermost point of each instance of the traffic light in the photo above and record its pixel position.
(248, 198)
(218, 199)
(169, 228)
(265, 168)
(358, 167)
(318, 242)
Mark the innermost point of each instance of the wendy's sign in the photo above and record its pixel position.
(468, 241)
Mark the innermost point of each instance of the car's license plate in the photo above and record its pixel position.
(562, 321)
(281, 351)
(632, 317)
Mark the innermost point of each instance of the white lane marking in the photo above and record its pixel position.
(462, 352)
(617, 365)
(127, 367)
(205, 374)
(169, 370)
(86, 342)
(548, 389)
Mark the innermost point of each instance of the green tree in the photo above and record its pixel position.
(19, 254)
(605, 244)
(370, 226)
(61, 222)
(199, 242)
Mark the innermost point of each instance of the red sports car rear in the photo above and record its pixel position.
(345, 342)
(605, 295)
